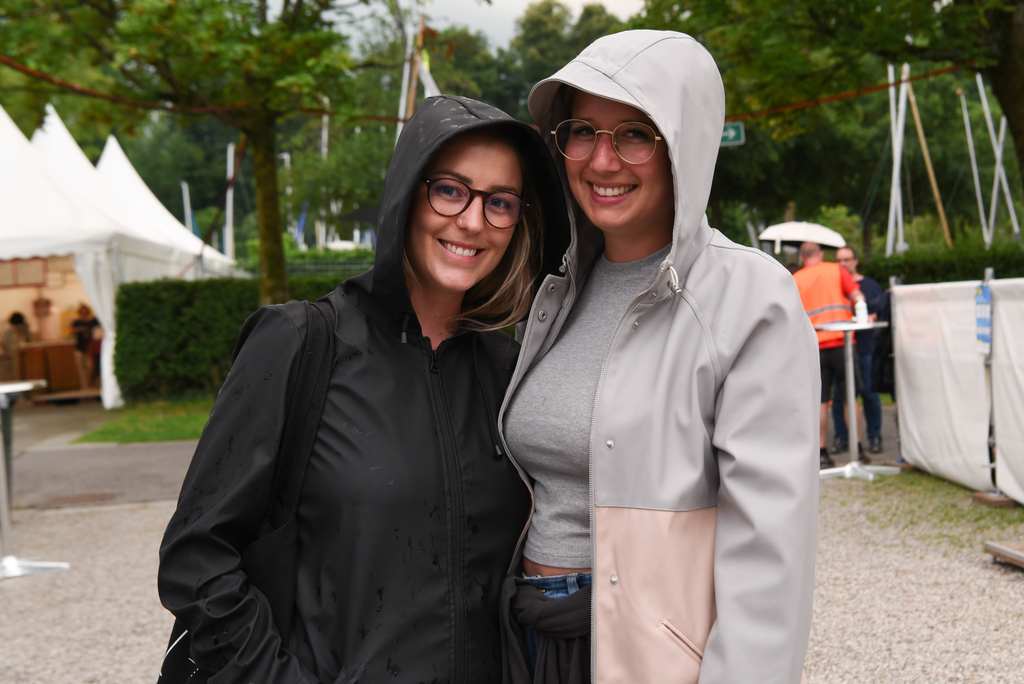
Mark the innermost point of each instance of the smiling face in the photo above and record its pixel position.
(451, 254)
(632, 204)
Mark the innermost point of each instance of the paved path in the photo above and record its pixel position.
(50, 470)
(100, 473)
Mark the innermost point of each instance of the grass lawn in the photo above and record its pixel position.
(154, 422)
(934, 510)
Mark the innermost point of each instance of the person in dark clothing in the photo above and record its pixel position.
(866, 341)
(409, 512)
(85, 362)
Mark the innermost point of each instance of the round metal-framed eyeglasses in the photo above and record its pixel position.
(633, 141)
(450, 197)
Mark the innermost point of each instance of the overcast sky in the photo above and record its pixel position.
(497, 20)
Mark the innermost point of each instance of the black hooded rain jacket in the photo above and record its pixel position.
(409, 511)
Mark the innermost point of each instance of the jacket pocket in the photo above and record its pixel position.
(677, 637)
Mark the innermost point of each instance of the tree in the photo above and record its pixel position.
(778, 53)
(226, 57)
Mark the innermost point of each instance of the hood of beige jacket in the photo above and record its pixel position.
(675, 80)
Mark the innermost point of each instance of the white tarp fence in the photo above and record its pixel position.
(942, 397)
(1008, 384)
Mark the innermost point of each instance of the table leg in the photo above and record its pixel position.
(854, 469)
(851, 397)
(7, 428)
(9, 565)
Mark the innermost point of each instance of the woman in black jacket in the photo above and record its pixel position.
(409, 511)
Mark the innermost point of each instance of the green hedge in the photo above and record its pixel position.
(176, 337)
(963, 263)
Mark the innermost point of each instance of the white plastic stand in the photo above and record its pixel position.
(855, 468)
(9, 565)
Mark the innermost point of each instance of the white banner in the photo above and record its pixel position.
(1008, 384)
(942, 400)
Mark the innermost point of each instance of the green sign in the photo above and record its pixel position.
(733, 134)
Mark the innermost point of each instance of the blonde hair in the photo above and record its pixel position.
(503, 297)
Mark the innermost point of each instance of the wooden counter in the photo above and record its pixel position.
(50, 361)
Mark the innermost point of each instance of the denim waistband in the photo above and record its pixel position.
(560, 585)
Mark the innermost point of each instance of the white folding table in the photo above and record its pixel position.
(855, 468)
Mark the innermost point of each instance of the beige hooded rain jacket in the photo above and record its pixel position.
(704, 439)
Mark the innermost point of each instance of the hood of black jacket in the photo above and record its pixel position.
(382, 292)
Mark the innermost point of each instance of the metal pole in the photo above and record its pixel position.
(9, 565)
(901, 243)
(974, 168)
(321, 225)
(403, 98)
(995, 177)
(890, 234)
(990, 274)
(851, 395)
(188, 207)
(898, 118)
(5, 508)
(752, 232)
(1000, 170)
(229, 207)
(286, 157)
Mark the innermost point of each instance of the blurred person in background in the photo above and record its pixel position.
(15, 335)
(827, 290)
(865, 348)
(83, 328)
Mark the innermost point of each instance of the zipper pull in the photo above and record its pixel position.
(434, 367)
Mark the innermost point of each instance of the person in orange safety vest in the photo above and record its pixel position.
(827, 290)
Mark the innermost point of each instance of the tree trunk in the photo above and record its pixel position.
(1007, 77)
(273, 276)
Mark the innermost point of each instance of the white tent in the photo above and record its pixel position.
(120, 193)
(43, 215)
(125, 184)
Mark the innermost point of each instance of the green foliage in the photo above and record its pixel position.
(546, 40)
(324, 261)
(175, 337)
(774, 54)
(168, 150)
(224, 56)
(965, 262)
(155, 422)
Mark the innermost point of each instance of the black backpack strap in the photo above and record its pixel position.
(270, 560)
(307, 405)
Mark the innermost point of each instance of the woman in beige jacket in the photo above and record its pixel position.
(664, 406)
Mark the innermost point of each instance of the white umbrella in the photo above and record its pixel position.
(801, 231)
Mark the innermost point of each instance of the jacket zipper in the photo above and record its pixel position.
(565, 313)
(590, 468)
(454, 496)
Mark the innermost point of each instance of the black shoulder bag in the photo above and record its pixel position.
(270, 561)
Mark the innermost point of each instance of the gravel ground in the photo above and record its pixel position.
(890, 607)
(100, 622)
(898, 606)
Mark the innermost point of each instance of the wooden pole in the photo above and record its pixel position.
(928, 165)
